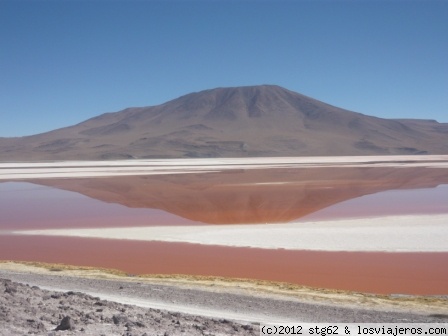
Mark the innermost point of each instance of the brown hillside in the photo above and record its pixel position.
(231, 122)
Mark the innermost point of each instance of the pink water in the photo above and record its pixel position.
(243, 197)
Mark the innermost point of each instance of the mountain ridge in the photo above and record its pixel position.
(264, 120)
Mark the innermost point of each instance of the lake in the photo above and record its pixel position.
(214, 223)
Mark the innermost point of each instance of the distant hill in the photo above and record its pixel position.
(261, 120)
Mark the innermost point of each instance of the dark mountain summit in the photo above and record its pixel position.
(231, 122)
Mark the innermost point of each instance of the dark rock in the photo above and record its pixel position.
(247, 327)
(66, 324)
(119, 319)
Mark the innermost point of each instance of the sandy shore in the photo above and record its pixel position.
(425, 233)
(23, 170)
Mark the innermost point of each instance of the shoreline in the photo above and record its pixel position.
(130, 306)
(433, 304)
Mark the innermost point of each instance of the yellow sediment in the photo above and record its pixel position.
(424, 304)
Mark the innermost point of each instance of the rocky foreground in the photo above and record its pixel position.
(26, 310)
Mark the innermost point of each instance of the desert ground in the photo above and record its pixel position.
(120, 304)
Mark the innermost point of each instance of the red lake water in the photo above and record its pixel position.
(235, 197)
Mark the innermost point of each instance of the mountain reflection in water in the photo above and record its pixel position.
(237, 197)
(250, 196)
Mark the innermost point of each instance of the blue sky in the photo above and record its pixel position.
(62, 62)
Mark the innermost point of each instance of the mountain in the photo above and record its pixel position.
(261, 120)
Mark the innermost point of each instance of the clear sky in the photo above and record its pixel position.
(62, 62)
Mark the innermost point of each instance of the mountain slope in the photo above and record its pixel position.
(231, 122)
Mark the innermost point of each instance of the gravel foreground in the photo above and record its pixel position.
(26, 310)
(27, 307)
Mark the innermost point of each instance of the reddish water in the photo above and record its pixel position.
(25, 206)
(259, 196)
(416, 273)
(388, 203)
